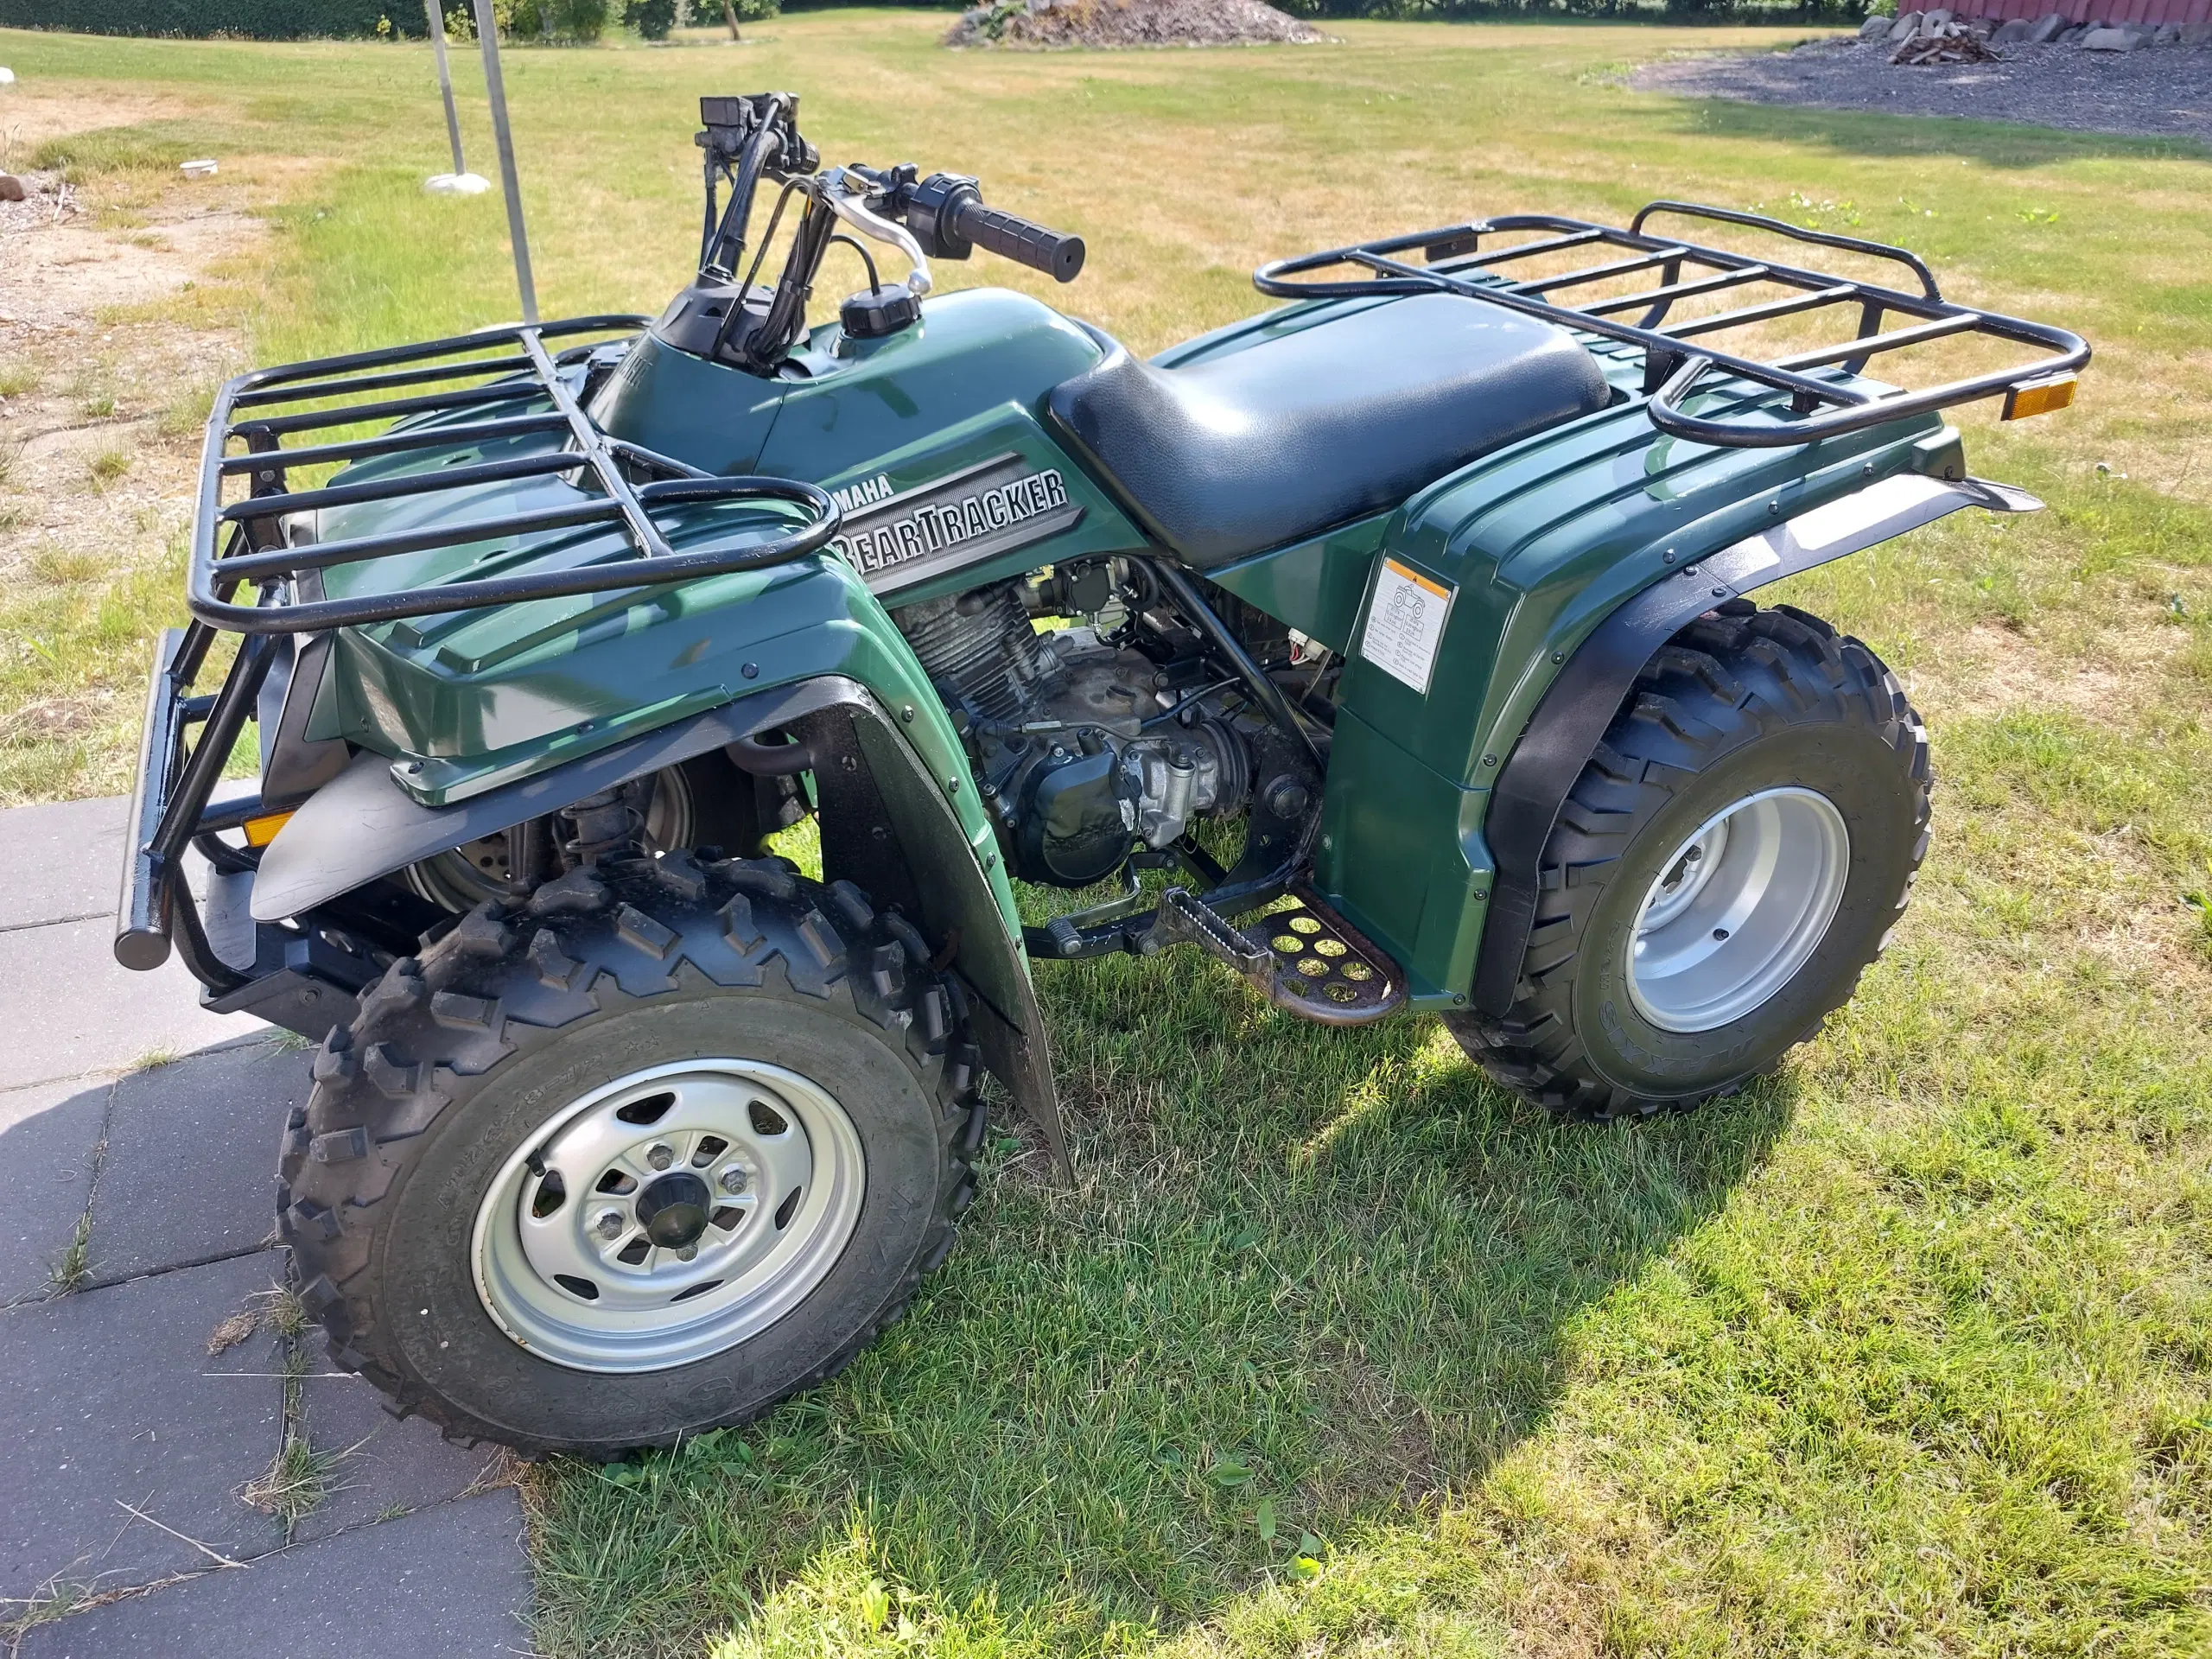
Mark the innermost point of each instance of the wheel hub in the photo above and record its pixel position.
(673, 1210)
(1738, 908)
(668, 1215)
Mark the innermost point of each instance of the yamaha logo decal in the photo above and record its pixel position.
(894, 539)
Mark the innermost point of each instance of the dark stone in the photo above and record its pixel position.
(388, 1464)
(191, 1163)
(49, 1135)
(448, 1583)
(112, 1398)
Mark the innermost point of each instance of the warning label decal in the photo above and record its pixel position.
(1405, 623)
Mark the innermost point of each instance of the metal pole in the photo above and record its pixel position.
(445, 82)
(487, 37)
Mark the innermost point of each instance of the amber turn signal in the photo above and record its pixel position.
(2039, 397)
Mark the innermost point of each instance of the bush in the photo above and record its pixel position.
(297, 20)
(652, 19)
(559, 20)
(260, 20)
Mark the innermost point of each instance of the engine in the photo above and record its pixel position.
(1090, 740)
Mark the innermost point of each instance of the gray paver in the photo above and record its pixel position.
(447, 1582)
(111, 1399)
(389, 1464)
(66, 858)
(49, 1137)
(192, 1159)
(68, 1009)
(64, 861)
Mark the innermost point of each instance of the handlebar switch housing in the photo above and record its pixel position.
(731, 122)
(933, 208)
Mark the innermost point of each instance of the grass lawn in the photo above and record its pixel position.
(1335, 1349)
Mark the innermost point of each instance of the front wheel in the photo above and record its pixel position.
(643, 1157)
(1732, 858)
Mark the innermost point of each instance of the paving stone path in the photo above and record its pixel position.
(150, 1373)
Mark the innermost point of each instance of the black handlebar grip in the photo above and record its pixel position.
(1057, 254)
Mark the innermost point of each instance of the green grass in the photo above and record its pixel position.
(1334, 1349)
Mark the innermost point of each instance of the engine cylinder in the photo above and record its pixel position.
(980, 647)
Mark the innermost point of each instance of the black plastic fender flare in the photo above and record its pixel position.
(887, 827)
(1585, 696)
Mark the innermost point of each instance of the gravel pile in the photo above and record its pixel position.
(2162, 90)
(1037, 24)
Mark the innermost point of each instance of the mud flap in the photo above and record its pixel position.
(887, 828)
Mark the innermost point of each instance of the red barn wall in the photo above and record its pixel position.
(2083, 12)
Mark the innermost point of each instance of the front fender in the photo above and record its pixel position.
(889, 823)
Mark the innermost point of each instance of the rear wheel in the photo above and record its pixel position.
(1732, 858)
(645, 1156)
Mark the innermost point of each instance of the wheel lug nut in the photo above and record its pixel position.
(609, 1223)
(735, 1179)
(687, 1253)
(660, 1155)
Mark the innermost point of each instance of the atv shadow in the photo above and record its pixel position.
(1308, 1281)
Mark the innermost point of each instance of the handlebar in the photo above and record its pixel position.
(946, 213)
(1057, 253)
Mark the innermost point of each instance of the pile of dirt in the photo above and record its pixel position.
(1037, 23)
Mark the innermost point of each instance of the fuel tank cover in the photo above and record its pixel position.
(873, 312)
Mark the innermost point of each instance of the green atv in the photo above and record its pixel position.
(1390, 646)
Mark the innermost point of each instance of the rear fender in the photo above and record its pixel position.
(1581, 699)
(887, 823)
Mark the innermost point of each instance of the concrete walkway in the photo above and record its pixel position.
(150, 1377)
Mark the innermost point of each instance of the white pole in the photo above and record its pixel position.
(445, 82)
(487, 37)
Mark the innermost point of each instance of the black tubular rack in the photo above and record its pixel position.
(1674, 367)
(242, 542)
(244, 545)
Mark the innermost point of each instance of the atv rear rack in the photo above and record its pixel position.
(1674, 369)
(487, 388)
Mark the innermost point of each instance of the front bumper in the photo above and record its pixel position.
(303, 978)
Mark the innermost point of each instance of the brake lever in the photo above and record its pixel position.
(846, 190)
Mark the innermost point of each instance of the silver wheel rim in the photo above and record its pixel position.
(668, 1215)
(1738, 909)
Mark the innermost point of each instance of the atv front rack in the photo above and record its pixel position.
(1456, 263)
(478, 390)
(242, 542)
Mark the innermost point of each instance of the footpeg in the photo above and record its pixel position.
(1308, 959)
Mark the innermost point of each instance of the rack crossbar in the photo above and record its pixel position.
(1668, 293)
(353, 550)
(1868, 345)
(1601, 273)
(352, 384)
(393, 443)
(391, 489)
(1744, 316)
(1518, 250)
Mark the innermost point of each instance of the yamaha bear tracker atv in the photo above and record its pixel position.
(1391, 647)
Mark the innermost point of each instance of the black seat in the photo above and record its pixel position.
(1280, 440)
